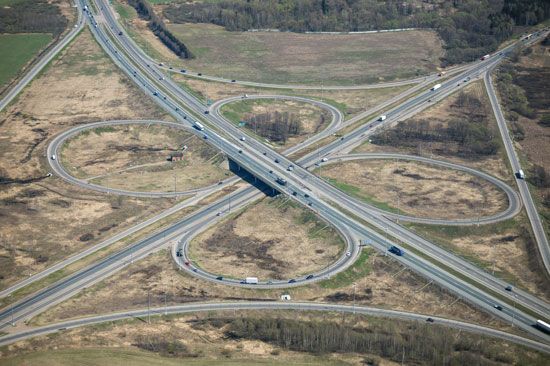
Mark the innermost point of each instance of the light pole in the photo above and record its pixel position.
(354, 285)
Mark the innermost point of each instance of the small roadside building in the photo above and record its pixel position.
(176, 156)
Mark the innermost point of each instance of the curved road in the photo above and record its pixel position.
(341, 264)
(514, 203)
(55, 146)
(271, 305)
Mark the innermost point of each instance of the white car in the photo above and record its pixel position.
(348, 254)
(53, 157)
(243, 138)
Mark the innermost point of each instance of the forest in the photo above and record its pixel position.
(158, 27)
(469, 28)
(32, 16)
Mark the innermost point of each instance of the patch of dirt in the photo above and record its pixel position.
(268, 240)
(419, 189)
(36, 229)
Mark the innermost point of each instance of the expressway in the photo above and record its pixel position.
(29, 76)
(534, 218)
(141, 314)
(259, 165)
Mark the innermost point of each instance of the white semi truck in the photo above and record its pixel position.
(436, 86)
(251, 280)
(199, 126)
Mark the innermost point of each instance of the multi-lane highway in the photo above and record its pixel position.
(251, 157)
(299, 184)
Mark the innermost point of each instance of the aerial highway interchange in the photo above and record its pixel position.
(357, 222)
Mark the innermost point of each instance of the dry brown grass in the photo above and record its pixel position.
(387, 285)
(45, 220)
(350, 102)
(309, 58)
(419, 189)
(134, 157)
(270, 239)
(441, 113)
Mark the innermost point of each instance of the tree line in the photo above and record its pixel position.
(415, 344)
(469, 131)
(275, 126)
(157, 26)
(469, 28)
(32, 16)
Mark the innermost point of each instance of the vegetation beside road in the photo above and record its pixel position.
(522, 84)
(294, 58)
(18, 50)
(469, 29)
(281, 122)
(267, 337)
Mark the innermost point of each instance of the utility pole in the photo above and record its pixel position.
(354, 285)
(165, 304)
(148, 307)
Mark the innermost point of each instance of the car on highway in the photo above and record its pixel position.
(219, 213)
(277, 160)
(292, 281)
(194, 270)
(187, 263)
(233, 80)
(309, 277)
(206, 112)
(219, 278)
(199, 74)
(498, 307)
(397, 251)
(53, 157)
(240, 151)
(509, 288)
(348, 254)
(290, 168)
(183, 71)
(430, 320)
(179, 253)
(243, 138)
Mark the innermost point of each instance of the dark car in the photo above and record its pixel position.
(277, 161)
(194, 270)
(206, 112)
(294, 193)
(498, 307)
(508, 288)
(233, 80)
(183, 71)
(179, 254)
(430, 320)
(292, 281)
(219, 278)
(309, 277)
(119, 33)
(186, 263)
(200, 74)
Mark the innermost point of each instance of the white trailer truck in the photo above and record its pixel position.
(436, 86)
(251, 280)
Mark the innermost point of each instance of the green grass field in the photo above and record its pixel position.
(16, 50)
